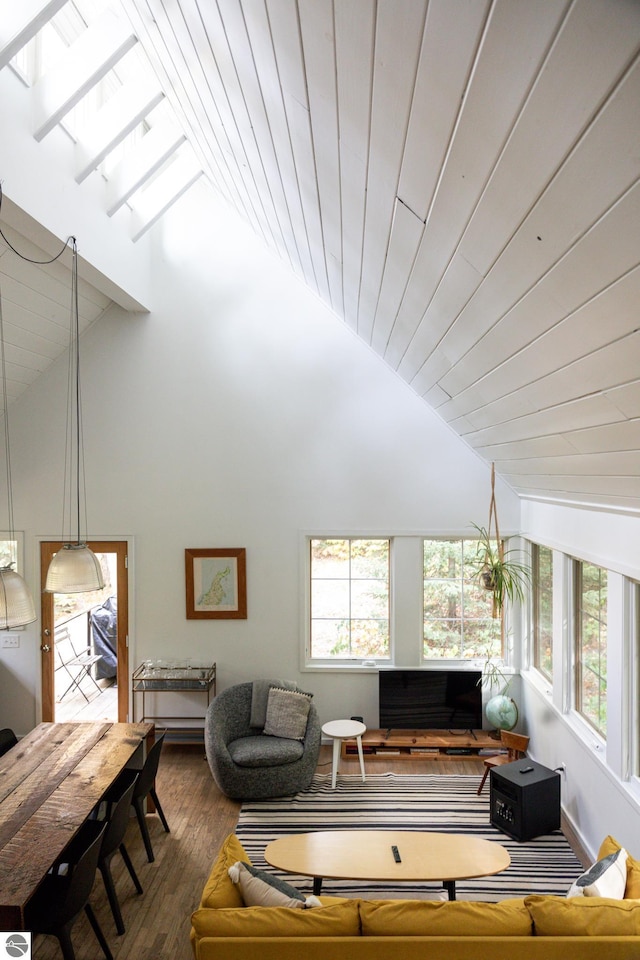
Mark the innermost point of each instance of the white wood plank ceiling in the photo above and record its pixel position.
(459, 181)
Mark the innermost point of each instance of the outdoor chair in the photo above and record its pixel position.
(516, 745)
(77, 661)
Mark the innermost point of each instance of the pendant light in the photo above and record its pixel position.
(74, 568)
(16, 602)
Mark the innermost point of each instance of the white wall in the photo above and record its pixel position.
(599, 792)
(239, 412)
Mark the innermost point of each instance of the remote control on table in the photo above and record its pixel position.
(396, 854)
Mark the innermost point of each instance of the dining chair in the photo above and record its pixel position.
(64, 893)
(516, 745)
(145, 787)
(116, 814)
(8, 739)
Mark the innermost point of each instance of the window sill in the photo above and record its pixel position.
(345, 666)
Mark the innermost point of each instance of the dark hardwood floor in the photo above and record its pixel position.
(200, 817)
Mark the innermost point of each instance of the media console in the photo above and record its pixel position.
(424, 745)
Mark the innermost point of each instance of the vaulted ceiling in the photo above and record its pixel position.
(457, 179)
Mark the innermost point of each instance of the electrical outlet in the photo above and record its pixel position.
(11, 640)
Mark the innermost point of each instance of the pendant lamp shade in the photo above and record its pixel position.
(74, 569)
(16, 604)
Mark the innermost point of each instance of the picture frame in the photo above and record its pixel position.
(216, 583)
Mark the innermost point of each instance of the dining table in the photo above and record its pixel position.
(50, 783)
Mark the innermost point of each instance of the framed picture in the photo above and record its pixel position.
(216, 583)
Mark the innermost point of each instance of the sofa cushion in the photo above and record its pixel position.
(219, 891)
(583, 916)
(605, 878)
(261, 889)
(459, 918)
(261, 751)
(336, 920)
(287, 713)
(632, 889)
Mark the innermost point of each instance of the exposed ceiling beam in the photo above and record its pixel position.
(86, 62)
(20, 22)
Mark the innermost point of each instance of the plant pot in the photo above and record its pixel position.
(487, 580)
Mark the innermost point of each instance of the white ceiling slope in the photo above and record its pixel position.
(460, 181)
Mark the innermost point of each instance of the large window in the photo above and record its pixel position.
(9, 554)
(591, 644)
(457, 613)
(635, 678)
(542, 608)
(349, 599)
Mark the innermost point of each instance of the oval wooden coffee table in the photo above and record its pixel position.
(368, 855)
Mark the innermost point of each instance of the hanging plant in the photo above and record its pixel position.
(497, 569)
(494, 676)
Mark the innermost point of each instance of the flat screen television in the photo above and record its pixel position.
(430, 699)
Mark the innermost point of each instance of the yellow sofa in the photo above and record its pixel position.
(554, 928)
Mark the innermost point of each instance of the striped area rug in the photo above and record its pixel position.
(443, 803)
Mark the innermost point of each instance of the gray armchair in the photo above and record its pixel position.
(245, 763)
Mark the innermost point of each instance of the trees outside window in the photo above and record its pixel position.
(9, 554)
(542, 608)
(349, 599)
(458, 621)
(591, 644)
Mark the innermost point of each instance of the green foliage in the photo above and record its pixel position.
(592, 645)
(542, 580)
(504, 576)
(350, 598)
(457, 613)
(494, 676)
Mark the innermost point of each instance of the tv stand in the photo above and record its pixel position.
(424, 745)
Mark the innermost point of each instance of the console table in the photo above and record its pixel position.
(424, 745)
(159, 677)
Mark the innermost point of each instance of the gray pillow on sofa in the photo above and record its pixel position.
(260, 695)
(287, 713)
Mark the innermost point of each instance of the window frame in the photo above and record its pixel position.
(578, 669)
(7, 536)
(535, 595)
(347, 662)
(633, 718)
(425, 660)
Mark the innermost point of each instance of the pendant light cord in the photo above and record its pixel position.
(74, 436)
(5, 410)
(23, 256)
(76, 392)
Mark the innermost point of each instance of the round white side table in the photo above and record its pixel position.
(341, 730)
